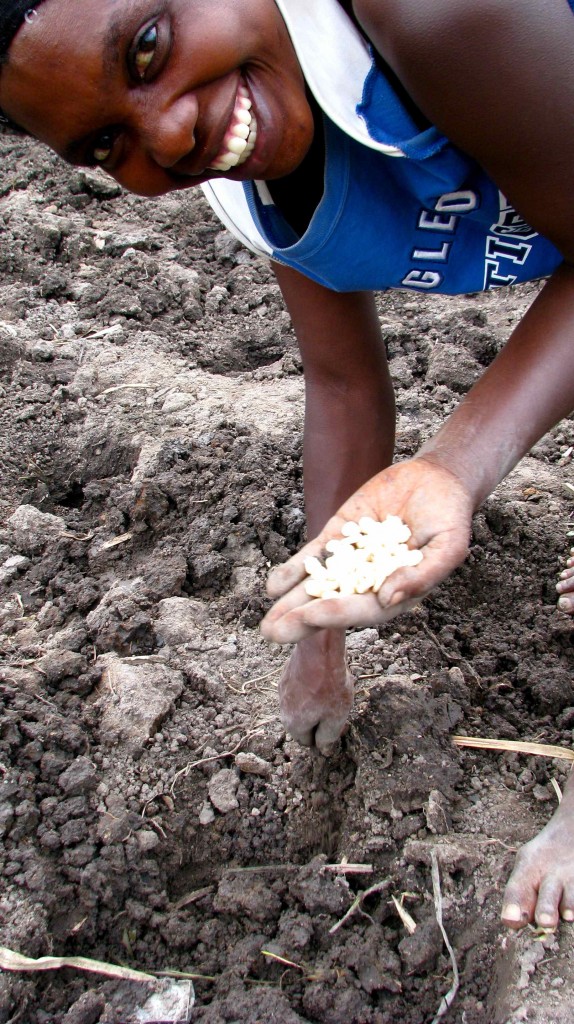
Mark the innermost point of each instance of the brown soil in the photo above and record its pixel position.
(153, 812)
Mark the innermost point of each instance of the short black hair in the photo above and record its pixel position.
(12, 14)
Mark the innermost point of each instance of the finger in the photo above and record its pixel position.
(271, 624)
(286, 576)
(328, 734)
(331, 613)
(328, 613)
(289, 629)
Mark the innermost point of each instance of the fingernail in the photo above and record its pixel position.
(512, 912)
(397, 598)
(568, 915)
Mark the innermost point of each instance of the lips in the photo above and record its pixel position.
(240, 136)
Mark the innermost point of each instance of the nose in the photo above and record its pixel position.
(168, 134)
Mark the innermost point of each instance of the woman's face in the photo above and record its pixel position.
(163, 94)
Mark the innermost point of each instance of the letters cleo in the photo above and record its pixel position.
(505, 244)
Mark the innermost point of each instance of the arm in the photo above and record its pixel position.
(528, 388)
(349, 436)
(349, 400)
(497, 77)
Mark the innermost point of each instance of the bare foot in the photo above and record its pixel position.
(316, 690)
(541, 887)
(565, 586)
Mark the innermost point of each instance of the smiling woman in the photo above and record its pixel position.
(365, 146)
(160, 95)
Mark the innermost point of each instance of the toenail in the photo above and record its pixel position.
(512, 912)
(565, 604)
(546, 921)
(568, 915)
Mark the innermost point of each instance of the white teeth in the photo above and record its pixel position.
(236, 145)
(239, 140)
(241, 131)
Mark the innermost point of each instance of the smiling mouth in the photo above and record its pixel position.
(239, 139)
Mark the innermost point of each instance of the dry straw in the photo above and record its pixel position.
(514, 746)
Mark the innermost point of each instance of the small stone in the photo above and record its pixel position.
(177, 400)
(458, 853)
(206, 814)
(58, 664)
(86, 1010)
(541, 794)
(147, 840)
(42, 351)
(172, 1001)
(15, 564)
(437, 813)
(136, 699)
(80, 777)
(254, 765)
(222, 789)
(180, 619)
(420, 951)
(33, 530)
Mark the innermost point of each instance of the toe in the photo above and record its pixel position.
(566, 603)
(520, 895)
(513, 916)
(567, 904)
(548, 903)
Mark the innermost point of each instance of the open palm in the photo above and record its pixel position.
(438, 510)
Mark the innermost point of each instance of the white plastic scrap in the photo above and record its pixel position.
(362, 559)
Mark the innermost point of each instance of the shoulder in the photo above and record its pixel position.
(410, 24)
(497, 78)
(456, 31)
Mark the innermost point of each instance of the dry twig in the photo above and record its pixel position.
(356, 904)
(448, 999)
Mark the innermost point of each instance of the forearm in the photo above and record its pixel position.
(527, 389)
(348, 438)
(349, 400)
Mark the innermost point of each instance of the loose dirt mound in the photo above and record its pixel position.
(153, 812)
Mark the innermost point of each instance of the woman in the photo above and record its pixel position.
(426, 146)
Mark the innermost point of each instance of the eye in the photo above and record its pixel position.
(143, 52)
(103, 147)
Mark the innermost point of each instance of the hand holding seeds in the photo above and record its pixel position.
(402, 533)
(362, 559)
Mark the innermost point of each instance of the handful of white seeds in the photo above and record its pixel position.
(362, 559)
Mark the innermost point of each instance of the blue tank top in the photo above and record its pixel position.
(401, 207)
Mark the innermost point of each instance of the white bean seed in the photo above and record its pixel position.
(361, 559)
